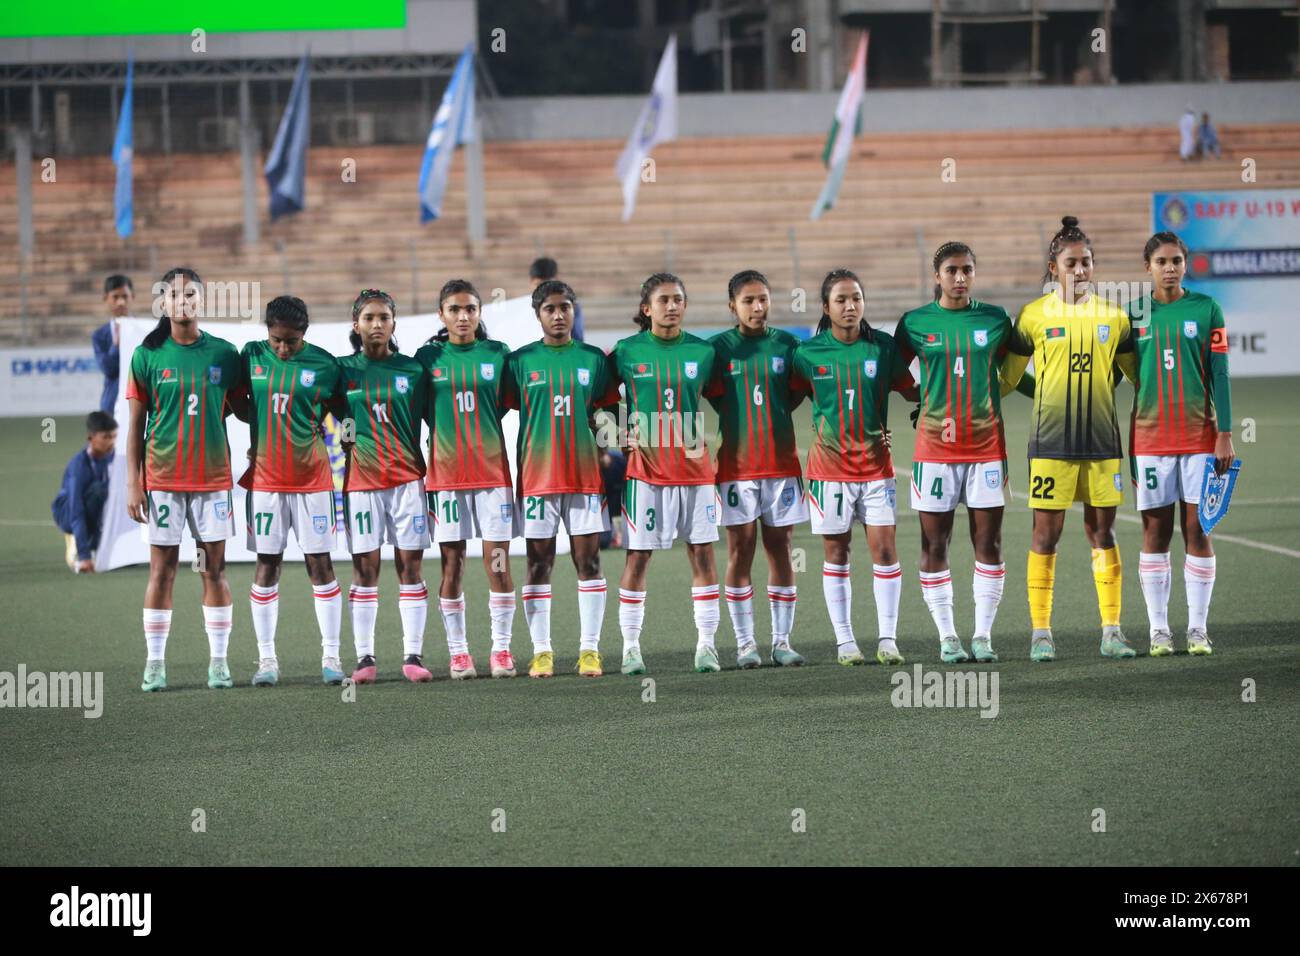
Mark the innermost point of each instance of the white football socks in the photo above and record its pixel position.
(740, 608)
(216, 621)
(631, 615)
(936, 588)
(453, 621)
(707, 613)
(1157, 580)
(501, 608)
(157, 625)
(591, 612)
(887, 585)
(265, 605)
(364, 604)
(329, 616)
(987, 585)
(537, 612)
(782, 600)
(1198, 576)
(838, 589)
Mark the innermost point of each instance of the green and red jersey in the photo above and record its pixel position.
(386, 400)
(1183, 398)
(468, 445)
(959, 352)
(755, 405)
(557, 389)
(849, 385)
(666, 381)
(184, 389)
(287, 401)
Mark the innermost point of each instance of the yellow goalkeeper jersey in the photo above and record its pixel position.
(1075, 347)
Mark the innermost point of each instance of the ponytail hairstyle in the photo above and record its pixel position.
(287, 310)
(947, 251)
(1067, 234)
(549, 287)
(163, 330)
(1160, 239)
(742, 279)
(364, 296)
(455, 287)
(832, 277)
(647, 289)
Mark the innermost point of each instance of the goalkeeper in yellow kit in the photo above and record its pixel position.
(1074, 446)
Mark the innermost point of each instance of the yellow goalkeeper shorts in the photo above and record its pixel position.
(1056, 483)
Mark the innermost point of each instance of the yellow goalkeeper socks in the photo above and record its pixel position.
(1108, 573)
(1042, 577)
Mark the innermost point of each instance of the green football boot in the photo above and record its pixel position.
(706, 659)
(1114, 644)
(887, 652)
(219, 674)
(1198, 642)
(951, 651)
(747, 657)
(1162, 644)
(981, 646)
(632, 663)
(783, 655)
(155, 676)
(1041, 647)
(849, 655)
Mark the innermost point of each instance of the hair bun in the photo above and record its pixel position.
(1070, 222)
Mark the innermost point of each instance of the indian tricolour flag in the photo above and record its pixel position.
(847, 124)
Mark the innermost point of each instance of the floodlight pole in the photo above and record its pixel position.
(248, 163)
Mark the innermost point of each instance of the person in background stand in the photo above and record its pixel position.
(118, 296)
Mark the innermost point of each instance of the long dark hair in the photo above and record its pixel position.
(161, 332)
(832, 277)
(288, 310)
(364, 296)
(1161, 239)
(456, 287)
(947, 251)
(1067, 234)
(647, 289)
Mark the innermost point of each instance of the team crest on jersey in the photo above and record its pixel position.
(214, 374)
(221, 509)
(787, 496)
(307, 377)
(869, 368)
(168, 376)
(992, 477)
(584, 376)
(402, 384)
(318, 524)
(418, 523)
(1189, 329)
(487, 370)
(259, 372)
(778, 364)
(507, 511)
(691, 369)
(981, 337)
(1103, 333)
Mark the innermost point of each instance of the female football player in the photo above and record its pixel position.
(469, 474)
(383, 494)
(178, 466)
(1074, 447)
(961, 452)
(1182, 418)
(670, 489)
(557, 383)
(849, 369)
(287, 386)
(759, 480)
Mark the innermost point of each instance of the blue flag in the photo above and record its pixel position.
(122, 149)
(286, 164)
(453, 125)
(1216, 493)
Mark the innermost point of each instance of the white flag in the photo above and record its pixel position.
(656, 124)
(843, 128)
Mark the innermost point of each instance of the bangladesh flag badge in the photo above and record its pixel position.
(1056, 332)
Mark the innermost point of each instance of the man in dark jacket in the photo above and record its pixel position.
(78, 508)
(118, 294)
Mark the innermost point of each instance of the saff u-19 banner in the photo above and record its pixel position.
(1244, 250)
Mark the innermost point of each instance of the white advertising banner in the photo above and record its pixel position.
(49, 380)
(123, 541)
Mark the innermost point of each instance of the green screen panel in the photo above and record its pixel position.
(41, 18)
